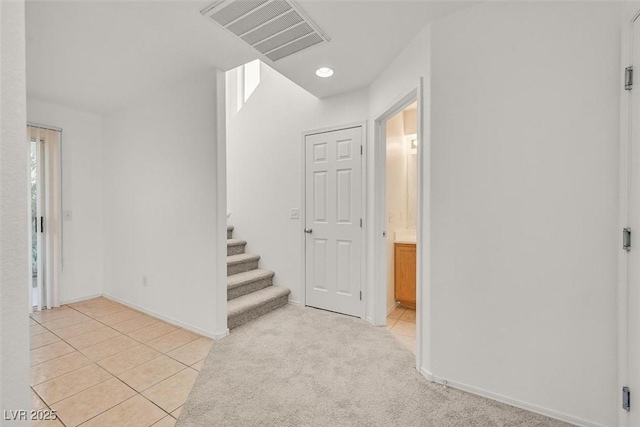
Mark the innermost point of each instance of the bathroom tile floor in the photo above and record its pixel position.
(100, 363)
(401, 322)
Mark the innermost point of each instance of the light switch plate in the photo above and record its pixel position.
(295, 213)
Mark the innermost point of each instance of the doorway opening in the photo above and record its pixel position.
(45, 236)
(400, 244)
(401, 133)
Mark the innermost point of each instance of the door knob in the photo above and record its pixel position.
(308, 230)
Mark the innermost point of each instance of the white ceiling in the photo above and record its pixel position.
(97, 56)
(365, 37)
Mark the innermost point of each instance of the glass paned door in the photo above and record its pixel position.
(37, 221)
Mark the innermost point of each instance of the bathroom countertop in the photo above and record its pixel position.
(406, 240)
(406, 236)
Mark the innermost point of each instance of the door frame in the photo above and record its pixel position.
(628, 308)
(423, 283)
(363, 187)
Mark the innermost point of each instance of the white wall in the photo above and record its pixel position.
(82, 183)
(524, 203)
(264, 144)
(522, 170)
(14, 223)
(161, 215)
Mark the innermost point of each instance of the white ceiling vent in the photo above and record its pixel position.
(276, 28)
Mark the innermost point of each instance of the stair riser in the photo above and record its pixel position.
(241, 267)
(229, 234)
(235, 250)
(239, 291)
(242, 318)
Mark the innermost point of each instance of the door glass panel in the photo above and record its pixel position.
(34, 218)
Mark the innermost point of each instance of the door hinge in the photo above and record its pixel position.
(628, 78)
(360, 295)
(626, 239)
(360, 222)
(626, 399)
(361, 150)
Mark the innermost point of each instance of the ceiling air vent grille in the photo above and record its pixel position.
(236, 10)
(276, 28)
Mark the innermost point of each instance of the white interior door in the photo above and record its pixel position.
(333, 214)
(630, 356)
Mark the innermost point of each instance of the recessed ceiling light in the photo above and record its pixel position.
(324, 72)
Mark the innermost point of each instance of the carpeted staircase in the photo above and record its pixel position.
(250, 290)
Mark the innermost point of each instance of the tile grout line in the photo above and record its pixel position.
(137, 366)
(47, 405)
(74, 370)
(80, 351)
(95, 362)
(170, 376)
(174, 349)
(119, 403)
(121, 333)
(140, 393)
(92, 363)
(158, 406)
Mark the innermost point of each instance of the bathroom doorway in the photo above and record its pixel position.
(401, 223)
(401, 132)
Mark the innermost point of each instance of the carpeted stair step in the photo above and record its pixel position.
(250, 281)
(248, 307)
(241, 263)
(235, 246)
(229, 231)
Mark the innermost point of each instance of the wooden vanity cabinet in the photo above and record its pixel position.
(405, 274)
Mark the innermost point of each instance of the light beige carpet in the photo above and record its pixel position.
(307, 367)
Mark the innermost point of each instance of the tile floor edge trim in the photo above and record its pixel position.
(170, 320)
(510, 401)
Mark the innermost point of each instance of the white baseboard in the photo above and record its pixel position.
(428, 375)
(220, 335)
(74, 300)
(509, 401)
(171, 320)
(296, 303)
(370, 320)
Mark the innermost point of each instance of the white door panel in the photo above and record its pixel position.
(333, 209)
(633, 257)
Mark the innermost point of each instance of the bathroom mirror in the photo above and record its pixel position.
(412, 180)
